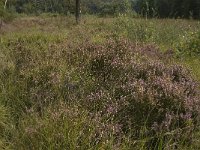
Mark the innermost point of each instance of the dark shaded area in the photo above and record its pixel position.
(146, 8)
(169, 9)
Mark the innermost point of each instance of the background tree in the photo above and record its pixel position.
(168, 8)
(148, 8)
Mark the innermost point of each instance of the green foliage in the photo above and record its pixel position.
(166, 32)
(59, 128)
(27, 55)
(189, 44)
(43, 6)
(5, 126)
(138, 31)
(147, 8)
(114, 7)
(168, 8)
(5, 15)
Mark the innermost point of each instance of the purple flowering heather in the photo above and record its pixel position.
(137, 87)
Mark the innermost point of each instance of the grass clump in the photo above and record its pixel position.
(61, 127)
(190, 45)
(29, 69)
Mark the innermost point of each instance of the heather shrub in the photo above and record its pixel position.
(136, 90)
(70, 88)
(189, 44)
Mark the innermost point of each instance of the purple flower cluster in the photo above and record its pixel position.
(136, 88)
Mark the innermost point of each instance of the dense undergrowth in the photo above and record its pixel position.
(106, 84)
(190, 45)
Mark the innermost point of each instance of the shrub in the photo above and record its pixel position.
(118, 88)
(137, 91)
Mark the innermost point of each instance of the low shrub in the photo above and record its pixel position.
(134, 88)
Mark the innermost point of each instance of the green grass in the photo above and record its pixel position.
(40, 61)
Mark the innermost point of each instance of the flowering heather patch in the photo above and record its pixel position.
(85, 87)
(125, 87)
(136, 89)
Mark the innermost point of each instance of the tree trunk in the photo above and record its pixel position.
(78, 11)
(5, 3)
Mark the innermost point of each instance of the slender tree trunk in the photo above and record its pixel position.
(78, 11)
(5, 4)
